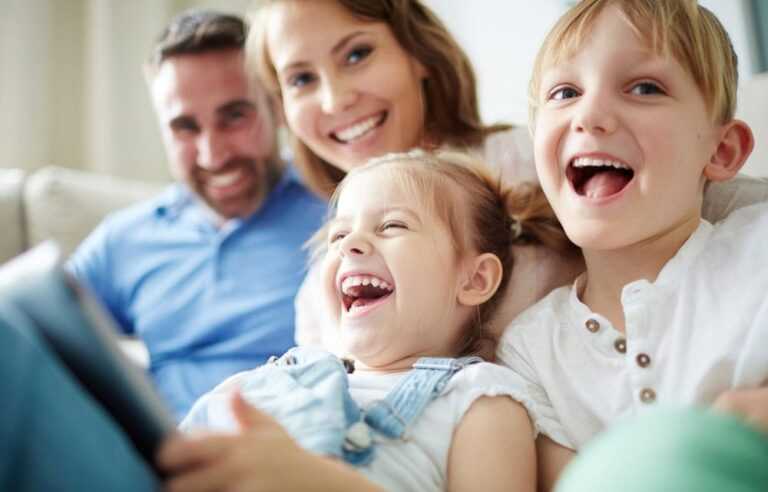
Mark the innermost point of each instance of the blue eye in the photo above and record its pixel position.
(358, 54)
(299, 80)
(185, 126)
(233, 117)
(336, 236)
(563, 93)
(646, 88)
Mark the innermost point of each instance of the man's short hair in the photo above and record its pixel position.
(199, 31)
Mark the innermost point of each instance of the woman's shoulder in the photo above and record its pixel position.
(511, 153)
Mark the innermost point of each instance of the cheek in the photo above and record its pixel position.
(299, 117)
(259, 139)
(330, 267)
(182, 155)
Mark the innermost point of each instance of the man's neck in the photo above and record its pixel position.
(609, 271)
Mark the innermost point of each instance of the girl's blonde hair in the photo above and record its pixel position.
(682, 28)
(452, 114)
(481, 214)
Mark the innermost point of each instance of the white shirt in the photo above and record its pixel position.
(420, 462)
(701, 328)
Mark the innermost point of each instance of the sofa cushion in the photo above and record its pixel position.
(753, 108)
(65, 204)
(12, 238)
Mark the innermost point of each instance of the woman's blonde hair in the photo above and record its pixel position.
(482, 215)
(682, 28)
(452, 115)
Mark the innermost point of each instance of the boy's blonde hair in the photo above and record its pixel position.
(452, 114)
(682, 28)
(481, 214)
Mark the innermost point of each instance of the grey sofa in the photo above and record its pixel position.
(59, 203)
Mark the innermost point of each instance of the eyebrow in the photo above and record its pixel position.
(223, 110)
(339, 46)
(238, 104)
(381, 212)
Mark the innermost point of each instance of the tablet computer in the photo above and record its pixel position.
(85, 338)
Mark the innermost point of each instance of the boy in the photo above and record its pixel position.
(632, 116)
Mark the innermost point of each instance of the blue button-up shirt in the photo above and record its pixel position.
(206, 301)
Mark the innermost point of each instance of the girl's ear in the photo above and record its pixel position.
(484, 277)
(736, 143)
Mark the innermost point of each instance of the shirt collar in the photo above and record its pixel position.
(671, 273)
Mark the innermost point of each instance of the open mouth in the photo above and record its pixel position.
(598, 178)
(364, 291)
(360, 129)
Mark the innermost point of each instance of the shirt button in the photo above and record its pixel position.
(643, 360)
(647, 395)
(592, 325)
(620, 345)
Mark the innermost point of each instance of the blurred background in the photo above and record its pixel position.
(72, 91)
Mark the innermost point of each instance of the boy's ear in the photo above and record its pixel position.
(483, 279)
(736, 143)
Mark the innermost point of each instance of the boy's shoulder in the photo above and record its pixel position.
(738, 241)
(754, 215)
(543, 315)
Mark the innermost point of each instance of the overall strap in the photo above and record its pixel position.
(405, 403)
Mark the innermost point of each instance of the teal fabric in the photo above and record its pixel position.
(760, 23)
(52, 435)
(678, 451)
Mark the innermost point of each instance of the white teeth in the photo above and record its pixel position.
(221, 180)
(358, 130)
(355, 280)
(590, 162)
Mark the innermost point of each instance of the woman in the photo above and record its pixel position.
(358, 79)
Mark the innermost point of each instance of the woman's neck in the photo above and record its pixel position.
(609, 271)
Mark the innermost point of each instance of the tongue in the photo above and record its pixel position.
(605, 183)
(360, 302)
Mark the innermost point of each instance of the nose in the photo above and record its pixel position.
(212, 151)
(336, 95)
(594, 115)
(355, 244)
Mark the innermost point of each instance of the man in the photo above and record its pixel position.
(206, 273)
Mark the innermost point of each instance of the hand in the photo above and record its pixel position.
(261, 457)
(751, 405)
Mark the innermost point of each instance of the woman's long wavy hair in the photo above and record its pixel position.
(452, 116)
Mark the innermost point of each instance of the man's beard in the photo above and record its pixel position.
(263, 176)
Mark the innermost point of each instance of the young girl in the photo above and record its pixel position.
(361, 78)
(417, 255)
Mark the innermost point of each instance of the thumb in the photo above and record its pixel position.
(247, 415)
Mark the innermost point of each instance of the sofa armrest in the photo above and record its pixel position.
(65, 204)
(13, 236)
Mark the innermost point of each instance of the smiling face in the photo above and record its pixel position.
(349, 90)
(392, 275)
(217, 130)
(622, 137)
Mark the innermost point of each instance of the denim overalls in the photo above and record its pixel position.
(307, 391)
